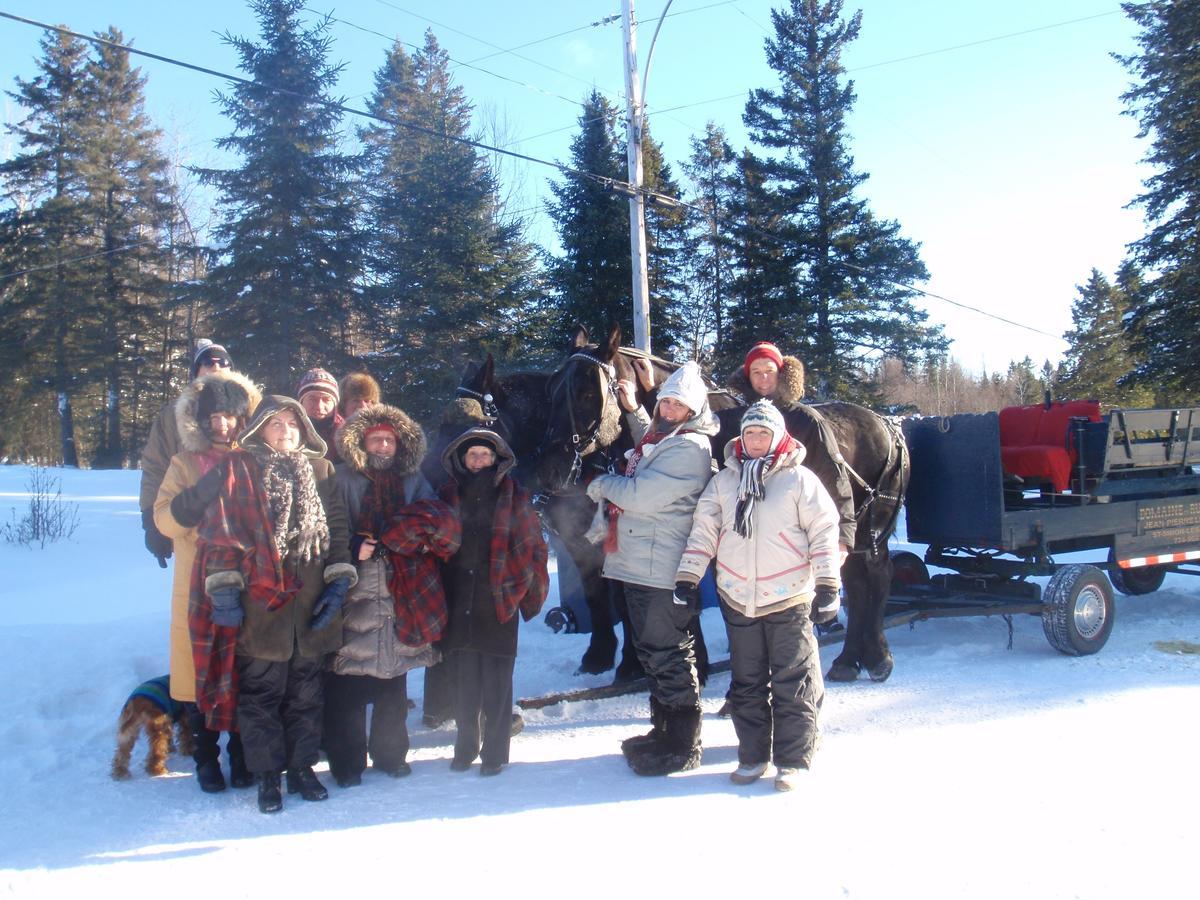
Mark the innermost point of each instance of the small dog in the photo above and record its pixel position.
(150, 707)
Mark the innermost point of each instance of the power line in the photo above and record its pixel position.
(607, 20)
(75, 259)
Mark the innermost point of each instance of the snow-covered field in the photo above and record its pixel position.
(976, 771)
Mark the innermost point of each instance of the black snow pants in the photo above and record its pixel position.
(776, 689)
(483, 696)
(279, 712)
(345, 737)
(664, 645)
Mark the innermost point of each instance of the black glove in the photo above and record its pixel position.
(189, 505)
(160, 546)
(687, 594)
(825, 604)
(331, 600)
(227, 607)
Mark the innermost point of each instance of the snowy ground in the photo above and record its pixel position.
(975, 771)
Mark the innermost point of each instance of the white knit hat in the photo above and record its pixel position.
(764, 414)
(686, 385)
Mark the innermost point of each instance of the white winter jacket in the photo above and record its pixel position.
(795, 537)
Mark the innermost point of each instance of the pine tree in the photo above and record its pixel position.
(284, 288)
(448, 280)
(129, 199)
(591, 281)
(848, 267)
(1165, 316)
(44, 301)
(711, 171)
(666, 253)
(1098, 359)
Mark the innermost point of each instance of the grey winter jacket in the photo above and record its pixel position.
(658, 501)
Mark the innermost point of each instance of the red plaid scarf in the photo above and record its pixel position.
(234, 535)
(417, 535)
(517, 571)
(614, 511)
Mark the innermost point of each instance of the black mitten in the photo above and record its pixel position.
(160, 546)
(189, 505)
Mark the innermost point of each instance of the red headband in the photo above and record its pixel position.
(380, 426)
(762, 350)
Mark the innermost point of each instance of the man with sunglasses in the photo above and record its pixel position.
(163, 442)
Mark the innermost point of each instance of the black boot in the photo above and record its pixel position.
(303, 781)
(651, 738)
(206, 753)
(270, 799)
(679, 750)
(239, 775)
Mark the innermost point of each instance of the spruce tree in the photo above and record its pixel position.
(1098, 360)
(284, 287)
(447, 280)
(591, 281)
(44, 300)
(666, 253)
(848, 268)
(1165, 316)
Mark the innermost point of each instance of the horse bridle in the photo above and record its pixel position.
(608, 394)
(487, 402)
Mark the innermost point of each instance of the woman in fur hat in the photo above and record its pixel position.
(390, 508)
(266, 597)
(208, 415)
(772, 529)
(499, 569)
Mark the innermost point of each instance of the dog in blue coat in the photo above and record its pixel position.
(150, 709)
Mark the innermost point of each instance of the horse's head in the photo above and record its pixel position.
(581, 403)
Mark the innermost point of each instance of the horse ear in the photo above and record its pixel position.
(489, 373)
(579, 338)
(614, 343)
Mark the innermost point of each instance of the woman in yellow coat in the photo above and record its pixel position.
(208, 414)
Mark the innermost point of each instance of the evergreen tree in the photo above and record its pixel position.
(711, 171)
(129, 205)
(591, 281)
(44, 302)
(284, 288)
(1098, 358)
(448, 280)
(666, 253)
(1165, 316)
(847, 266)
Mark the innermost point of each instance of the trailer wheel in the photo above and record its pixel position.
(1079, 610)
(1136, 581)
(908, 569)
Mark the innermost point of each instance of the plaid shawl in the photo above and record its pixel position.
(416, 536)
(234, 535)
(517, 569)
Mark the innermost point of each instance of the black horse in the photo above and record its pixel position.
(582, 396)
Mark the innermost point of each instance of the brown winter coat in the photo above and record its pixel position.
(184, 470)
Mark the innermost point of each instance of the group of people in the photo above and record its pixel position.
(315, 566)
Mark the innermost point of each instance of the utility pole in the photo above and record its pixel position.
(637, 203)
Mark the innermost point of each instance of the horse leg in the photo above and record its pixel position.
(602, 648)
(874, 654)
(847, 665)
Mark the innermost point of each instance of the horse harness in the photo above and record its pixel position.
(608, 395)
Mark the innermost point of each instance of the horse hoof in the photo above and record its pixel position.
(590, 665)
(627, 671)
(881, 670)
(842, 672)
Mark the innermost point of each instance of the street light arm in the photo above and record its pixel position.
(650, 56)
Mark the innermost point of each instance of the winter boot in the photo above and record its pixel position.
(303, 781)
(679, 750)
(239, 775)
(270, 799)
(651, 738)
(206, 752)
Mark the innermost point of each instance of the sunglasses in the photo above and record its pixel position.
(220, 362)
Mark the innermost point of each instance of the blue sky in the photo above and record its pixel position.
(1008, 159)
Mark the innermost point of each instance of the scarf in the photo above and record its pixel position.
(517, 553)
(649, 439)
(417, 535)
(752, 488)
(297, 514)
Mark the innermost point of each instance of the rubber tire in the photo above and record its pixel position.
(1138, 581)
(908, 569)
(1062, 596)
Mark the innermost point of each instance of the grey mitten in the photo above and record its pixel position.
(227, 607)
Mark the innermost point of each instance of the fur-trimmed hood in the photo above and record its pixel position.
(505, 458)
(312, 445)
(788, 395)
(191, 437)
(410, 439)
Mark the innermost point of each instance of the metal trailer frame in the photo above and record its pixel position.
(1134, 497)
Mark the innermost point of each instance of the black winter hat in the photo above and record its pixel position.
(221, 395)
